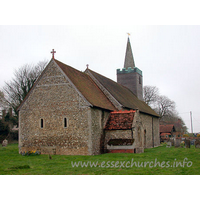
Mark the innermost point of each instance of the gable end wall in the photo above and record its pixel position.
(53, 99)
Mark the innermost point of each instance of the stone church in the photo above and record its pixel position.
(69, 112)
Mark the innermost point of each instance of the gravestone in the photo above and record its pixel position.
(182, 144)
(177, 143)
(169, 144)
(192, 142)
(5, 143)
(172, 141)
(197, 144)
(187, 143)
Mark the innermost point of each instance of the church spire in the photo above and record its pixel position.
(129, 60)
(130, 76)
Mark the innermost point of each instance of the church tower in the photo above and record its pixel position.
(130, 76)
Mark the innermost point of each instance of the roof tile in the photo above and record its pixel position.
(120, 120)
(123, 95)
(166, 128)
(87, 87)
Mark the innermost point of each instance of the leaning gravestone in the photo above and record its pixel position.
(187, 143)
(197, 144)
(5, 143)
(177, 143)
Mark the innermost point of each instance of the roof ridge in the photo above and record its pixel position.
(93, 75)
(102, 76)
(68, 66)
(122, 94)
(111, 80)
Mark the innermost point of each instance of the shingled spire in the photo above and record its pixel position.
(129, 60)
(130, 76)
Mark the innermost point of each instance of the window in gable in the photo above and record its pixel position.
(65, 122)
(41, 123)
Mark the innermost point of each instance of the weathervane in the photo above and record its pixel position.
(128, 34)
(53, 52)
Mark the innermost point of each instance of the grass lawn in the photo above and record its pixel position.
(13, 163)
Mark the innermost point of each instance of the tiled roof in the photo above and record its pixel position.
(94, 95)
(87, 87)
(123, 95)
(120, 120)
(163, 134)
(166, 128)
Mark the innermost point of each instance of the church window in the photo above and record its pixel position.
(65, 122)
(41, 123)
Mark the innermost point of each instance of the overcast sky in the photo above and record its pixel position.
(167, 55)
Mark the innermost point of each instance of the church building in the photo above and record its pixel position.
(69, 112)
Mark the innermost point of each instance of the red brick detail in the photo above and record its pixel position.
(121, 151)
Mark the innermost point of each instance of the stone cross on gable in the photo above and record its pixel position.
(53, 52)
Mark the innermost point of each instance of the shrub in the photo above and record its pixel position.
(185, 135)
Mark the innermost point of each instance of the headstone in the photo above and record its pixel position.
(182, 144)
(172, 141)
(197, 144)
(5, 143)
(192, 142)
(169, 144)
(177, 143)
(187, 143)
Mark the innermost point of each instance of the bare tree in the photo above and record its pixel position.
(3, 102)
(151, 94)
(165, 106)
(24, 78)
